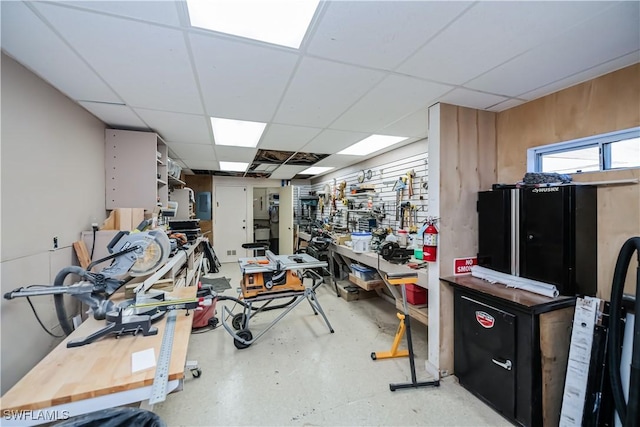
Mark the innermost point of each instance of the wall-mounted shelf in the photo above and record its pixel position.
(135, 176)
(175, 181)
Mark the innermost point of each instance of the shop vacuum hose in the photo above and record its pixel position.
(627, 411)
(58, 299)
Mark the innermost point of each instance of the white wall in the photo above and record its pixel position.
(52, 185)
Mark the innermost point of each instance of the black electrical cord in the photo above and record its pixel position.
(628, 413)
(35, 313)
(93, 245)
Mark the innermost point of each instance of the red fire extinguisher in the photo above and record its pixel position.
(430, 242)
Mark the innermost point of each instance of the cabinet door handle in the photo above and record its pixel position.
(506, 365)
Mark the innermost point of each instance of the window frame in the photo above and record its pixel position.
(602, 141)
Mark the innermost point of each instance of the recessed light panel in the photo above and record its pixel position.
(315, 170)
(234, 166)
(238, 133)
(281, 22)
(371, 144)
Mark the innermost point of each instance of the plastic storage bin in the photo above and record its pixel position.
(364, 273)
(416, 295)
(360, 242)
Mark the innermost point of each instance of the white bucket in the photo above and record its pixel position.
(360, 242)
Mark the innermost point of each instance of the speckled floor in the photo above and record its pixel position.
(300, 374)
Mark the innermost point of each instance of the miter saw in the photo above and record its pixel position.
(136, 253)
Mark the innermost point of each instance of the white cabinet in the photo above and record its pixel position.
(135, 169)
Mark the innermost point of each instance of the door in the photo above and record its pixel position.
(545, 224)
(494, 230)
(286, 221)
(485, 352)
(230, 226)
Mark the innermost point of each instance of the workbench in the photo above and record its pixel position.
(345, 255)
(80, 380)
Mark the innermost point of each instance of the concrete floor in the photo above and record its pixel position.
(298, 373)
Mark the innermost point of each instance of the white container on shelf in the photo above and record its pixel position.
(403, 236)
(361, 242)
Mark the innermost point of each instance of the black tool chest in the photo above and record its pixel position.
(498, 354)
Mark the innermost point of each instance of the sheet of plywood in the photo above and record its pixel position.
(601, 105)
(467, 164)
(555, 337)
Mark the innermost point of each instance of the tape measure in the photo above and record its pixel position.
(161, 379)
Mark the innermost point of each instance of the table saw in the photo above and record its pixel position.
(268, 278)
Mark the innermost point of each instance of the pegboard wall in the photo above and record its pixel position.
(383, 180)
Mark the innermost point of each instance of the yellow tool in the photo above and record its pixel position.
(394, 352)
(403, 279)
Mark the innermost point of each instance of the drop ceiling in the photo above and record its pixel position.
(364, 67)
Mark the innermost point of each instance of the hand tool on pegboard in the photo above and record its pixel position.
(410, 175)
(399, 187)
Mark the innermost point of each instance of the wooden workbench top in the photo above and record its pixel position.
(517, 297)
(103, 367)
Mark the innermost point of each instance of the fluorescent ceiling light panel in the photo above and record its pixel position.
(371, 144)
(238, 133)
(234, 166)
(281, 22)
(315, 170)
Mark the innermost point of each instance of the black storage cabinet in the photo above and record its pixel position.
(497, 354)
(553, 235)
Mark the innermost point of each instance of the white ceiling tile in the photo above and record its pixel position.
(182, 128)
(188, 152)
(471, 98)
(618, 34)
(331, 141)
(491, 33)
(146, 74)
(27, 39)
(322, 90)
(241, 80)
(510, 103)
(235, 154)
(163, 12)
(114, 115)
(339, 161)
(394, 98)
(203, 165)
(589, 74)
(379, 34)
(287, 138)
(414, 125)
(287, 171)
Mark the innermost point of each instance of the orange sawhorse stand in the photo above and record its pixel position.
(405, 323)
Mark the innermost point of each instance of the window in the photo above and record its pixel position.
(614, 150)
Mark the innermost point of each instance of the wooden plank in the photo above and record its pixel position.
(349, 292)
(367, 285)
(97, 369)
(555, 336)
(418, 312)
(82, 253)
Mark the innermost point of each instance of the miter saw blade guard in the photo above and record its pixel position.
(152, 249)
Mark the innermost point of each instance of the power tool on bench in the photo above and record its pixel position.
(392, 252)
(138, 253)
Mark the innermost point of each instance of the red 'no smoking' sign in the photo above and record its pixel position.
(463, 265)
